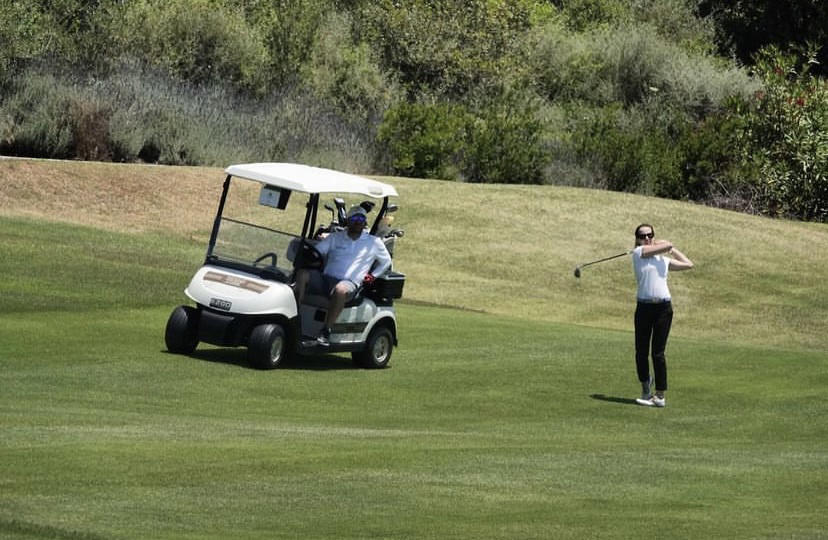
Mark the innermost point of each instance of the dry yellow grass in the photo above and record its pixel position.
(507, 250)
(112, 196)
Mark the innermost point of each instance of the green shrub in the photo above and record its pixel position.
(506, 142)
(289, 30)
(448, 48)
(582, 15)
(25, 33)
(38, 119)
(630, 64)
(423, 140)
(199, 41)
(345, 76)
(629, 150)
(710, 169)
(564, 64)
(785, 136)
(137, 113)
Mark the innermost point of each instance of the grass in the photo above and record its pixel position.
(484, 427)
(504, 249)
(487, 425)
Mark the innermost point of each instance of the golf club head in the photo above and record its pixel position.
(577, 271)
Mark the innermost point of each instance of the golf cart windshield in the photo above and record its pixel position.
(253, 231)
(263, 217)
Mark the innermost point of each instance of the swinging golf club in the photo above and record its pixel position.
(578, 268)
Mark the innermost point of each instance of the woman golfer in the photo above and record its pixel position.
(654, 310)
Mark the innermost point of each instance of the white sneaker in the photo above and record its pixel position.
(659, 401)
(654, 401)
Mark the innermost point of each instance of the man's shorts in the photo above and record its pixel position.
(320, 283)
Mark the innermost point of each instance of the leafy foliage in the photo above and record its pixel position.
(785, 137)
(345, 75)
(424, 140)
(505, 143)
(448, 48)
(745, 28)
(640, 101)
(25, 33)
(199, 41)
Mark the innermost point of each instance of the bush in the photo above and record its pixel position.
(630, 64)
(708, 162)
(38, 121)
(505, 142)
(197, 40)
(629, 150)
(345, 76)
(785, 136)
(564, 64)
(424, 140)
(289, 30)
(582, 15)
(142, 114)
(25, 33)
(447, 49)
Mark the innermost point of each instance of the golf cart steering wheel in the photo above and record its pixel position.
(309, 257)
(272, 271)
(265, 256)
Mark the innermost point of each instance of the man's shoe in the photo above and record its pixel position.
(324, 339)
(647, 389)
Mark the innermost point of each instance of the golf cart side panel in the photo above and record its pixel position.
(354, 325)
(227, 290)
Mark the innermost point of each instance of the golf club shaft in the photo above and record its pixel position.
(605, 259)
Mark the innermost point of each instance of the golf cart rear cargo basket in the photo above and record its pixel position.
(390, 285)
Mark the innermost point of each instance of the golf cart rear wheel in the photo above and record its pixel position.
(181, 335)
(378, 349)
(267, 347)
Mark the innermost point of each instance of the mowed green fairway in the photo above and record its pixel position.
(484, 427)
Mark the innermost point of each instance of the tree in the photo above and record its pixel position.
(746, 26)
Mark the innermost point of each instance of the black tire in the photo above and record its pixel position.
(268, 346)
(181, 335)
(378, 349)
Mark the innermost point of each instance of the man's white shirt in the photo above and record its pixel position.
(352, 259)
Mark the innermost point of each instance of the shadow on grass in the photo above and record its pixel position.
(238, 357)
(612, 399)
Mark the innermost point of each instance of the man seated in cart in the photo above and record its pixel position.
(353, 258)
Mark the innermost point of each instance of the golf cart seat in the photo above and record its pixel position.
(383, 291)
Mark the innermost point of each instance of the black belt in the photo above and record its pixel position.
(653, 300)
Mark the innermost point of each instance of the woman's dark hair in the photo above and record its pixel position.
(639, 228)
(644, 225)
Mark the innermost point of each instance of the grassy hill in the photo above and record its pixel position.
(507, 250)
(515, 420)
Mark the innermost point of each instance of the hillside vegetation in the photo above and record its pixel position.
(642, 97)
(503, 249)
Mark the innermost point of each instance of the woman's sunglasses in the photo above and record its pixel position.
(645, 235)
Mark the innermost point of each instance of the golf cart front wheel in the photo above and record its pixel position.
(378, 349)
(181, 335)
(267, 347)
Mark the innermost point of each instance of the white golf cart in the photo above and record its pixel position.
(243, 292)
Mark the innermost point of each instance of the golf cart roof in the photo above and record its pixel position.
(310, 179)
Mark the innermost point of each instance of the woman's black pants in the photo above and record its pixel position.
(652, 326)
